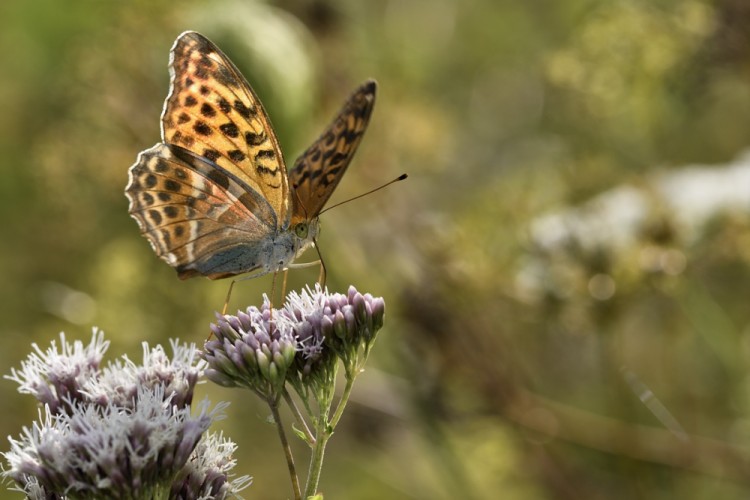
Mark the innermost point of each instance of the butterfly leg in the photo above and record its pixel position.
(229, 294)
(243, 278)
(270, 302)
(283, 283)
(226, 302)
(309, 264)
(323, 274)
(226, 305)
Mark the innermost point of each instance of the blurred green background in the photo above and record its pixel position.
(567, 291)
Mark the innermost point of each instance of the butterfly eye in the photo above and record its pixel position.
(301, 230)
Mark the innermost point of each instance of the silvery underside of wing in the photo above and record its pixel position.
(198, 218)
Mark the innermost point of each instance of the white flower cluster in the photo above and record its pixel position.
(122, 431)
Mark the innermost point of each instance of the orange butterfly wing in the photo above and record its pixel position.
(214, 196)
(319, 169)
(213, 112)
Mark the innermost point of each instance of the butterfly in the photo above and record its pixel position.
(214, 198)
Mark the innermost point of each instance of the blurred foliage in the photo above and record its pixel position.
(506, 367)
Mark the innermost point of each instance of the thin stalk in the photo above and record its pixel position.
(302, 392)
(298, 416)
(325, 430)
(161, 492)
(287, 449)
(316, 460)
(344, 399)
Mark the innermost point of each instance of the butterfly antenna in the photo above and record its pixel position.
(397, 179)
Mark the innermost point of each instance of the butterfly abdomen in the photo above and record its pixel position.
(222, 262)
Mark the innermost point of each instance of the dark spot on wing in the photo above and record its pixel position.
(230, 129)
(253, 139)
(202, 128)
(337, 158)
(190, 101)
(236, 155)
(243, 110)
(224, 106)
(265, 170)
(155, 216)
(301, 180)
(171, 211)
(265, 153)
(330, 177)
(171, 185)
(351, 135)
(211, 154)
(207, 110)
(161, 166)
(219, 179)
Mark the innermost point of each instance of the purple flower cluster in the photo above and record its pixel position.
(260, 348)
(250, 350)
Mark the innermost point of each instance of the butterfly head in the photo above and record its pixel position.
(305, 232)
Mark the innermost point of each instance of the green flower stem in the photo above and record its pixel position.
(316, 461)
(161, 492)
(344, 399)
(298, 416)
(305, 398)
(274, 406)
(325, 431)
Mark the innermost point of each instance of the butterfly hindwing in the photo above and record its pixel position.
(197, 219)
(212, 112)
(319, 169)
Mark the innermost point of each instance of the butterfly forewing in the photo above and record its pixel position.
(212, 112)
(319, 169)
